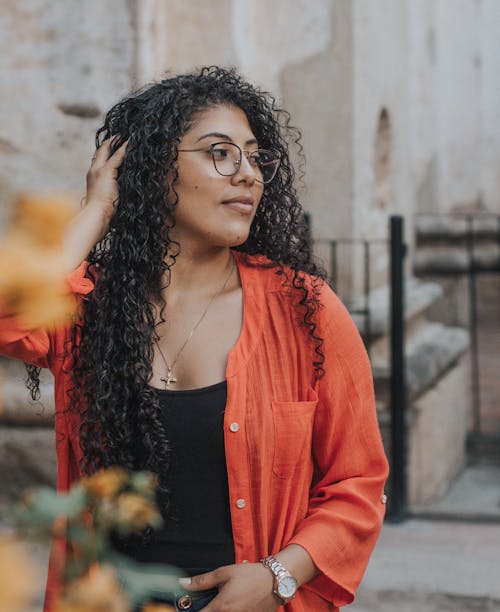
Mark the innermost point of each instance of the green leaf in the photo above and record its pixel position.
(144, 580)
(43, 505)
(143, 483)
(77, 533)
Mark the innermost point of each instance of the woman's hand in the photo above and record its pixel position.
(102, 187)
(91, 223)
(246, 587)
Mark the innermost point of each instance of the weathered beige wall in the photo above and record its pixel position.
(177, 35)
(423, 108)
(458, 87)
(62, 64)
(490, 105)
(318, 91)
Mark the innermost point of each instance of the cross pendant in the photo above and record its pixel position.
(169, 379)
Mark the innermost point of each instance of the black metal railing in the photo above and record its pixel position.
(398, 396)
(475, 229)
(398, 401)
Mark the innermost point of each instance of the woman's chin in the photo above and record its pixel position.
(235, 236)
(238, 241)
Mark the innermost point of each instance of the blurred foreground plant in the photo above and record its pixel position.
(96, 577)
(19, 579)
(32, 274)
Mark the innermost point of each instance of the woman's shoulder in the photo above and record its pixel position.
(275, 276)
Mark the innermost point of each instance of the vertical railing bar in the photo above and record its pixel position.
(333, 265)
(367, 320)
(476, 398)
(397, 504)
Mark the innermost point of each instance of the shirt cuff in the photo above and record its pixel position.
(78, 282)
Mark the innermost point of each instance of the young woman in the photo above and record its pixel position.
(210, 351)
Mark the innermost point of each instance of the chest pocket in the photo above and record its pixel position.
(293, 426)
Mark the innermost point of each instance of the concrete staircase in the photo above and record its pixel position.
(437, 386)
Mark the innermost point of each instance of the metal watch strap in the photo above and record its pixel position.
(279, 571)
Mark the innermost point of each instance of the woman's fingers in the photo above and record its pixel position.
(116, 159)
(102, 155)
(208, 580)
(102, 185)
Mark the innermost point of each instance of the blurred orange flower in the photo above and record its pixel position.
(19, 580)
(157, 608)
(98, 591)
(42, 219)
(32, 274)
(137, 512)
(105, 484)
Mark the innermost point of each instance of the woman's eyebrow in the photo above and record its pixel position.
(225, 137)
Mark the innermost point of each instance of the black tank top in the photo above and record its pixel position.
(196, 535)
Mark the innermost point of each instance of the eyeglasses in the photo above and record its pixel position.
(227, 157)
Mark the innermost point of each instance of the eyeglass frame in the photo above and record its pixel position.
(238, 165)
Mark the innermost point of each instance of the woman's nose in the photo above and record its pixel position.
(246, 171)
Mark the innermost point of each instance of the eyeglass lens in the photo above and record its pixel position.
(227, 158)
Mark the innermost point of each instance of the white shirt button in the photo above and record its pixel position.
(240, 503)
(383, 499)
(234, 427)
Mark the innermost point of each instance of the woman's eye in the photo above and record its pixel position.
(220, 153)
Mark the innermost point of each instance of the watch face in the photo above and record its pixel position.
(287, 587)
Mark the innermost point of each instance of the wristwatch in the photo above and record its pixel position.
(285, 585)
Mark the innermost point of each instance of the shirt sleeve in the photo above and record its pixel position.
(347, 506)
(34, 345)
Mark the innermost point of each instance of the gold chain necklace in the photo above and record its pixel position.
(170, 379)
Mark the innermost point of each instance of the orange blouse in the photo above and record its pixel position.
(305, 459)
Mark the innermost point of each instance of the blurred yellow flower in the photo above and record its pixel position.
(137, 512)
(157, 608)
(105, 484)
(98, 591)
(20, 582)
(32, 274)
(42, 219)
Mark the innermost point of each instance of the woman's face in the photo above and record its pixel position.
(215, 210)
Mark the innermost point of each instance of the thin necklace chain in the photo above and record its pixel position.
(170, 377)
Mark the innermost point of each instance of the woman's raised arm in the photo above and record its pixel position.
(20, 336)
(92, 222)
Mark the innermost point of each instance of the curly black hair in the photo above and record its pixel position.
(112, 344)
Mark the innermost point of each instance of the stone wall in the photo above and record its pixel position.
(27, 443)
(62, 65)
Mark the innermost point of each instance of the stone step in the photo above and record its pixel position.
(446, 229)
(456, 260)
(431, 349)
(474, 496)
(484, 449)
(419, 296)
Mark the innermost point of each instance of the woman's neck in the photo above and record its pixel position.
(199, 273)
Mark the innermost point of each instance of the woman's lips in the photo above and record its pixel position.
(244, 206)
